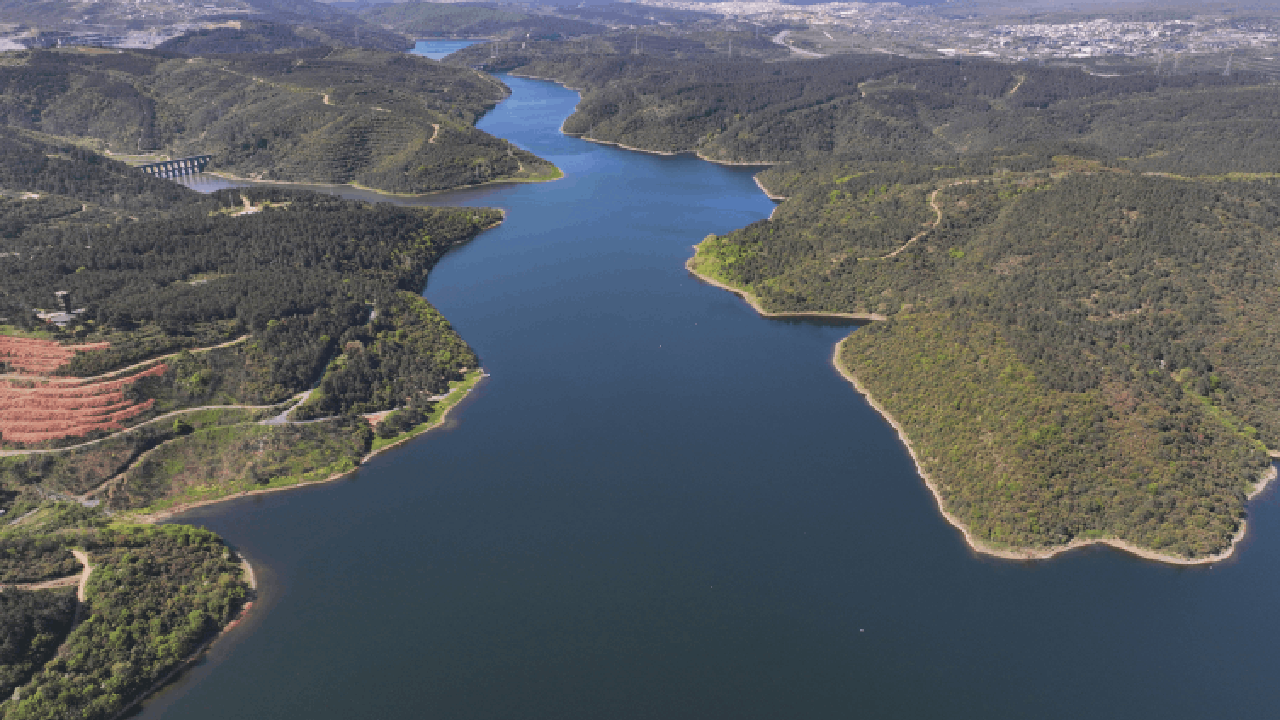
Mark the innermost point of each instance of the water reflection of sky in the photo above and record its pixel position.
(437, 49)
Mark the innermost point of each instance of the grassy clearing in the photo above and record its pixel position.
(18, 332)
(554, 173)
(221, 461)
(78, 470)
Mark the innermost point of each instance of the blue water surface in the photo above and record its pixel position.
(663, 506)
(437, 49)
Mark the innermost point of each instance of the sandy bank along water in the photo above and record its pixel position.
(1036, 553)
(692, 266)
(973, 542)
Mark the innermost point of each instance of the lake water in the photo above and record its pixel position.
(663, 506)
(437, 49)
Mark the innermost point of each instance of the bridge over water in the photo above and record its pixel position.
(178, 168)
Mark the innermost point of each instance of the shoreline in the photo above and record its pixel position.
(364, 188)
(250, 576)
(974, 544)
(547, 79)
(755, 303)
(160, 516)
(765, 190)
(252, 580)
(667, 153)
(1030, 553)
(735, 163)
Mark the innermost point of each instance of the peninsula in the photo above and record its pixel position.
(1071, 297)
(162, 349)
(1074, 313)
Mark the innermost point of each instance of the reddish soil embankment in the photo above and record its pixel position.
(40, 356)
(35, 407)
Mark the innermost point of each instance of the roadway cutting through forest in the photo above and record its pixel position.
(80, 580)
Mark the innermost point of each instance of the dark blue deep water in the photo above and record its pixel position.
(664, 506)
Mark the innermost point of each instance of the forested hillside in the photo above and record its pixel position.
(301, 275)
(596, 53)
(264, 36)
(1125, 385)
(1122, 386)
(388, 121)
(883, 107)
(429, 19)
(43, 181)
(198, 324)
(1078, 272)
(240, 298)
(154, 596)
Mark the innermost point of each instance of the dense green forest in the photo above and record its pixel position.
(264, 36)
(49, 182)
(388, 121)
(1079, 272)
(32, 623)
(889, 108)
(220, 312)
(429, 20)
(249, 298)
(1077, 350)
(690, 48)
(311, 281)
(154, 596)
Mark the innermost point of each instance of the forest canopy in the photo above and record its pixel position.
(239, 341)
(1078, 272)
(388, 121)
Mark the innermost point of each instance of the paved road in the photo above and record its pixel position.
(781, 39)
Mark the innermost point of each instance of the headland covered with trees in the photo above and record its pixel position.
(213, 345)
(1077, 273)
(160, 348)
(388, 121)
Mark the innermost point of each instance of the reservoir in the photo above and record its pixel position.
(662, 505)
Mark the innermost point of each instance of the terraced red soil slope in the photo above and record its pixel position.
(39, 356)
(35, 407)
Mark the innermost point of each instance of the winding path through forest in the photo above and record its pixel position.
(83, 584)
(111, 374)
(937, 211)
(80, 579)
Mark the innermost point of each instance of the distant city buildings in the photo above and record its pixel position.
(885, 26)
(833, 27)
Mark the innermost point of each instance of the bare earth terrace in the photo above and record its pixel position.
(35, 407)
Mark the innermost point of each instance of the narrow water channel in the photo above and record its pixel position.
(663, 506)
